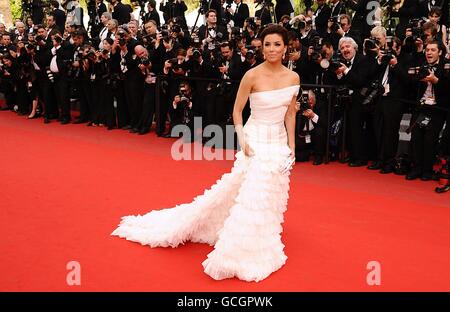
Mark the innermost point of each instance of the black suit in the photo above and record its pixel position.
(283, 7)
(322, 14)
(408, 11)
(390, 109)
(424, 9)
(153, 15)
(363, 71)
(360, 21)
(121, 13)
(203, 31)
(240, 15)
(60, 19)
(61, 85)
(424, 140)
(338, 9)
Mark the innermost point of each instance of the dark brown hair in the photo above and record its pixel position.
(275, 29)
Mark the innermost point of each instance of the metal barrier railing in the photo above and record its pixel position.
(330, 92)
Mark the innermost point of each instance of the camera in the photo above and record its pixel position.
(90, 55)
(145, 61)
(30, 46)
(420, 72)
(335, 26)
(196, 54)
(372, 93)
(176, 28)
(121, 35)
(105, 52)
(333, 64)
(303, 101)
(316, 44)
(251, 23)
(389, 53)
(175, 65)
(371, 43)
(39, 38)
(415, 24)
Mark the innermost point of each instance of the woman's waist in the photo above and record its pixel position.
(265, 132)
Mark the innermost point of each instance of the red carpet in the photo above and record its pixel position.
(64, 189)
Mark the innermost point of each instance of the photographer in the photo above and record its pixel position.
(9, 77)
(264, 12)
(148, 66)
(358, 72)
(209, 32)
(183, 107)
(121, 12)
(59, 15)
(173, 9)
(239, 14)
(283, 7)
(108, 28)
(390, 107)
(80, 78)
(250, 29)
(181, 38)
(133, 80)
(310, 130)
(227, 66)
(61, 58)
(338, 27)
(321, 17)
(306, 31)
(152, 14)
(296, 55)
(428, 120)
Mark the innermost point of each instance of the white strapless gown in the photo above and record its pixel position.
(241, 214)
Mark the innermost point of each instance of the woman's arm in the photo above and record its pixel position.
(289, 120)
(243, 93)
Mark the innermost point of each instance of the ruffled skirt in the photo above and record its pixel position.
(240, 215)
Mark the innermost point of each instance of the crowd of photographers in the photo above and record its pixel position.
(358, 79)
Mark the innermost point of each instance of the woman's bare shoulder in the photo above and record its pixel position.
(293, 76)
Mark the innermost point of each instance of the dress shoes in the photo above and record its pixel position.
(357, 163)
(414, 174)
(144, 131)
(134, 130)
(46, 120)
(376, 165)
(65, 121)
(318, 160)
(389, 168)
(426, 176)
(80, 121)
(127, 127)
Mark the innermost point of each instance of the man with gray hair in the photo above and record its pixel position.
(104, 19)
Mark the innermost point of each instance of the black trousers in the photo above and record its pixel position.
(62, 90)
(97, 106)
(133, 93)
(387, 118)
(49, 98)
(445, 141)
(123, 116)
(424, 140)
(361, 128)
(148, 107)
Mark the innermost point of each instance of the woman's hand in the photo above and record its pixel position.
(248, 151)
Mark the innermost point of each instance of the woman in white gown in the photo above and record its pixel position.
(241, 214)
